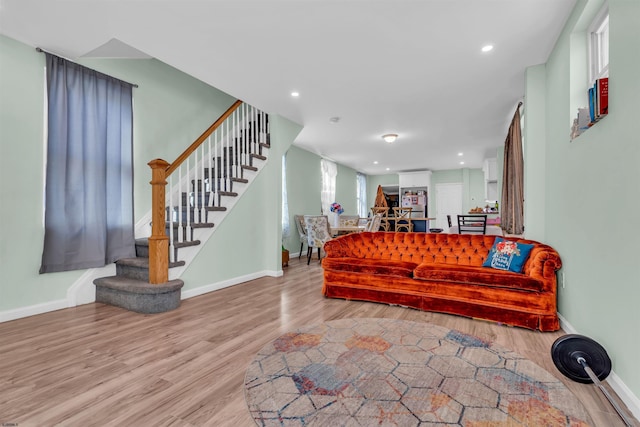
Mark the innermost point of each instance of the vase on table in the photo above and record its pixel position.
(335, 220)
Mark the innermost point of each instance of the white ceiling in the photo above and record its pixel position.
(411, 67)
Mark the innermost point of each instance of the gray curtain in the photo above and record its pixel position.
(512, 206)
(89, 175)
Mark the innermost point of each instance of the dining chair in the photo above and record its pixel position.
(374, 224)
(349, 220)
(302, 231)
(384, 210)
(318, 233)
(403, 218)
(472, 224)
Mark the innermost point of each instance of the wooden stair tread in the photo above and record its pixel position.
(191, 224)
(141, 262)
(186, 243)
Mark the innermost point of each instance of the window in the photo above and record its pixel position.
(599, 45)
(328, 194)
(285, 200)
(361, 196)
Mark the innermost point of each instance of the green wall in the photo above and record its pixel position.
(304, 185)
(372, 185)
(590, 180)
(171, 109)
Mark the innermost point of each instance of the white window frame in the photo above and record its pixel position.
(361, 194)
(599, 45)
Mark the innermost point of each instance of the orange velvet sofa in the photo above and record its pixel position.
(443, 273)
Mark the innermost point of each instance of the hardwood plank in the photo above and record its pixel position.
(97, 365)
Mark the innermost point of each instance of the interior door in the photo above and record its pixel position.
(448, 202)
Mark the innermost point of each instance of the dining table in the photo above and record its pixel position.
(420, 224)
(347, 229)
(492, 230)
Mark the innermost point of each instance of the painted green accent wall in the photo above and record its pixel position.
(591, 187)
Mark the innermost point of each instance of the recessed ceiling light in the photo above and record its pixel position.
(388, 169)
(487, 48)
(295, 94)
(390, 137)
(375, 162)
(462, 163)
(460, 154)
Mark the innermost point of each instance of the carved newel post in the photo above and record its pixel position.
(159, 241)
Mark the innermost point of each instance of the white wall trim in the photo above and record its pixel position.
(32, 310)
(621, 389)
(201, 290)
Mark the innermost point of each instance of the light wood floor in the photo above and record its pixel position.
(97, 365)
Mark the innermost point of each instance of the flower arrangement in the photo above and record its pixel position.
(507, 248)
(336, 208)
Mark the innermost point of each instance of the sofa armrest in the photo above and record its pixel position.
(542, 265)
(335, 249)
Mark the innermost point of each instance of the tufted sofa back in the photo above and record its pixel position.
(460, 249)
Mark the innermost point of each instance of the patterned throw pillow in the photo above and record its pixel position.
(350, 223)
(508, 255)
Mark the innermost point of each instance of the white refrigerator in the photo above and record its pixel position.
(418, 203)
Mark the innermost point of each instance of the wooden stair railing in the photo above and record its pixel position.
(240, 133)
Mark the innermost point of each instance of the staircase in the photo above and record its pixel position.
(202, 182)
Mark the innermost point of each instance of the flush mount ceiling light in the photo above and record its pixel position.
(487, 48)
(295, 94)
(390, 137)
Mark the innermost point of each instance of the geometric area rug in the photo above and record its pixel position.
(388, 372)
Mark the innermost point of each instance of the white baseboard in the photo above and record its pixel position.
(201, 290)
(621, 389)
(32, 310)
(86, 282)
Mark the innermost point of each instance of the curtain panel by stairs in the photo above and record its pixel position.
(89, 171)
(512, 207)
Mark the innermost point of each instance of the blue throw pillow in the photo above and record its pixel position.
(508, 255)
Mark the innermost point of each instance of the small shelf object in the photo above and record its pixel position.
(598, 97)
